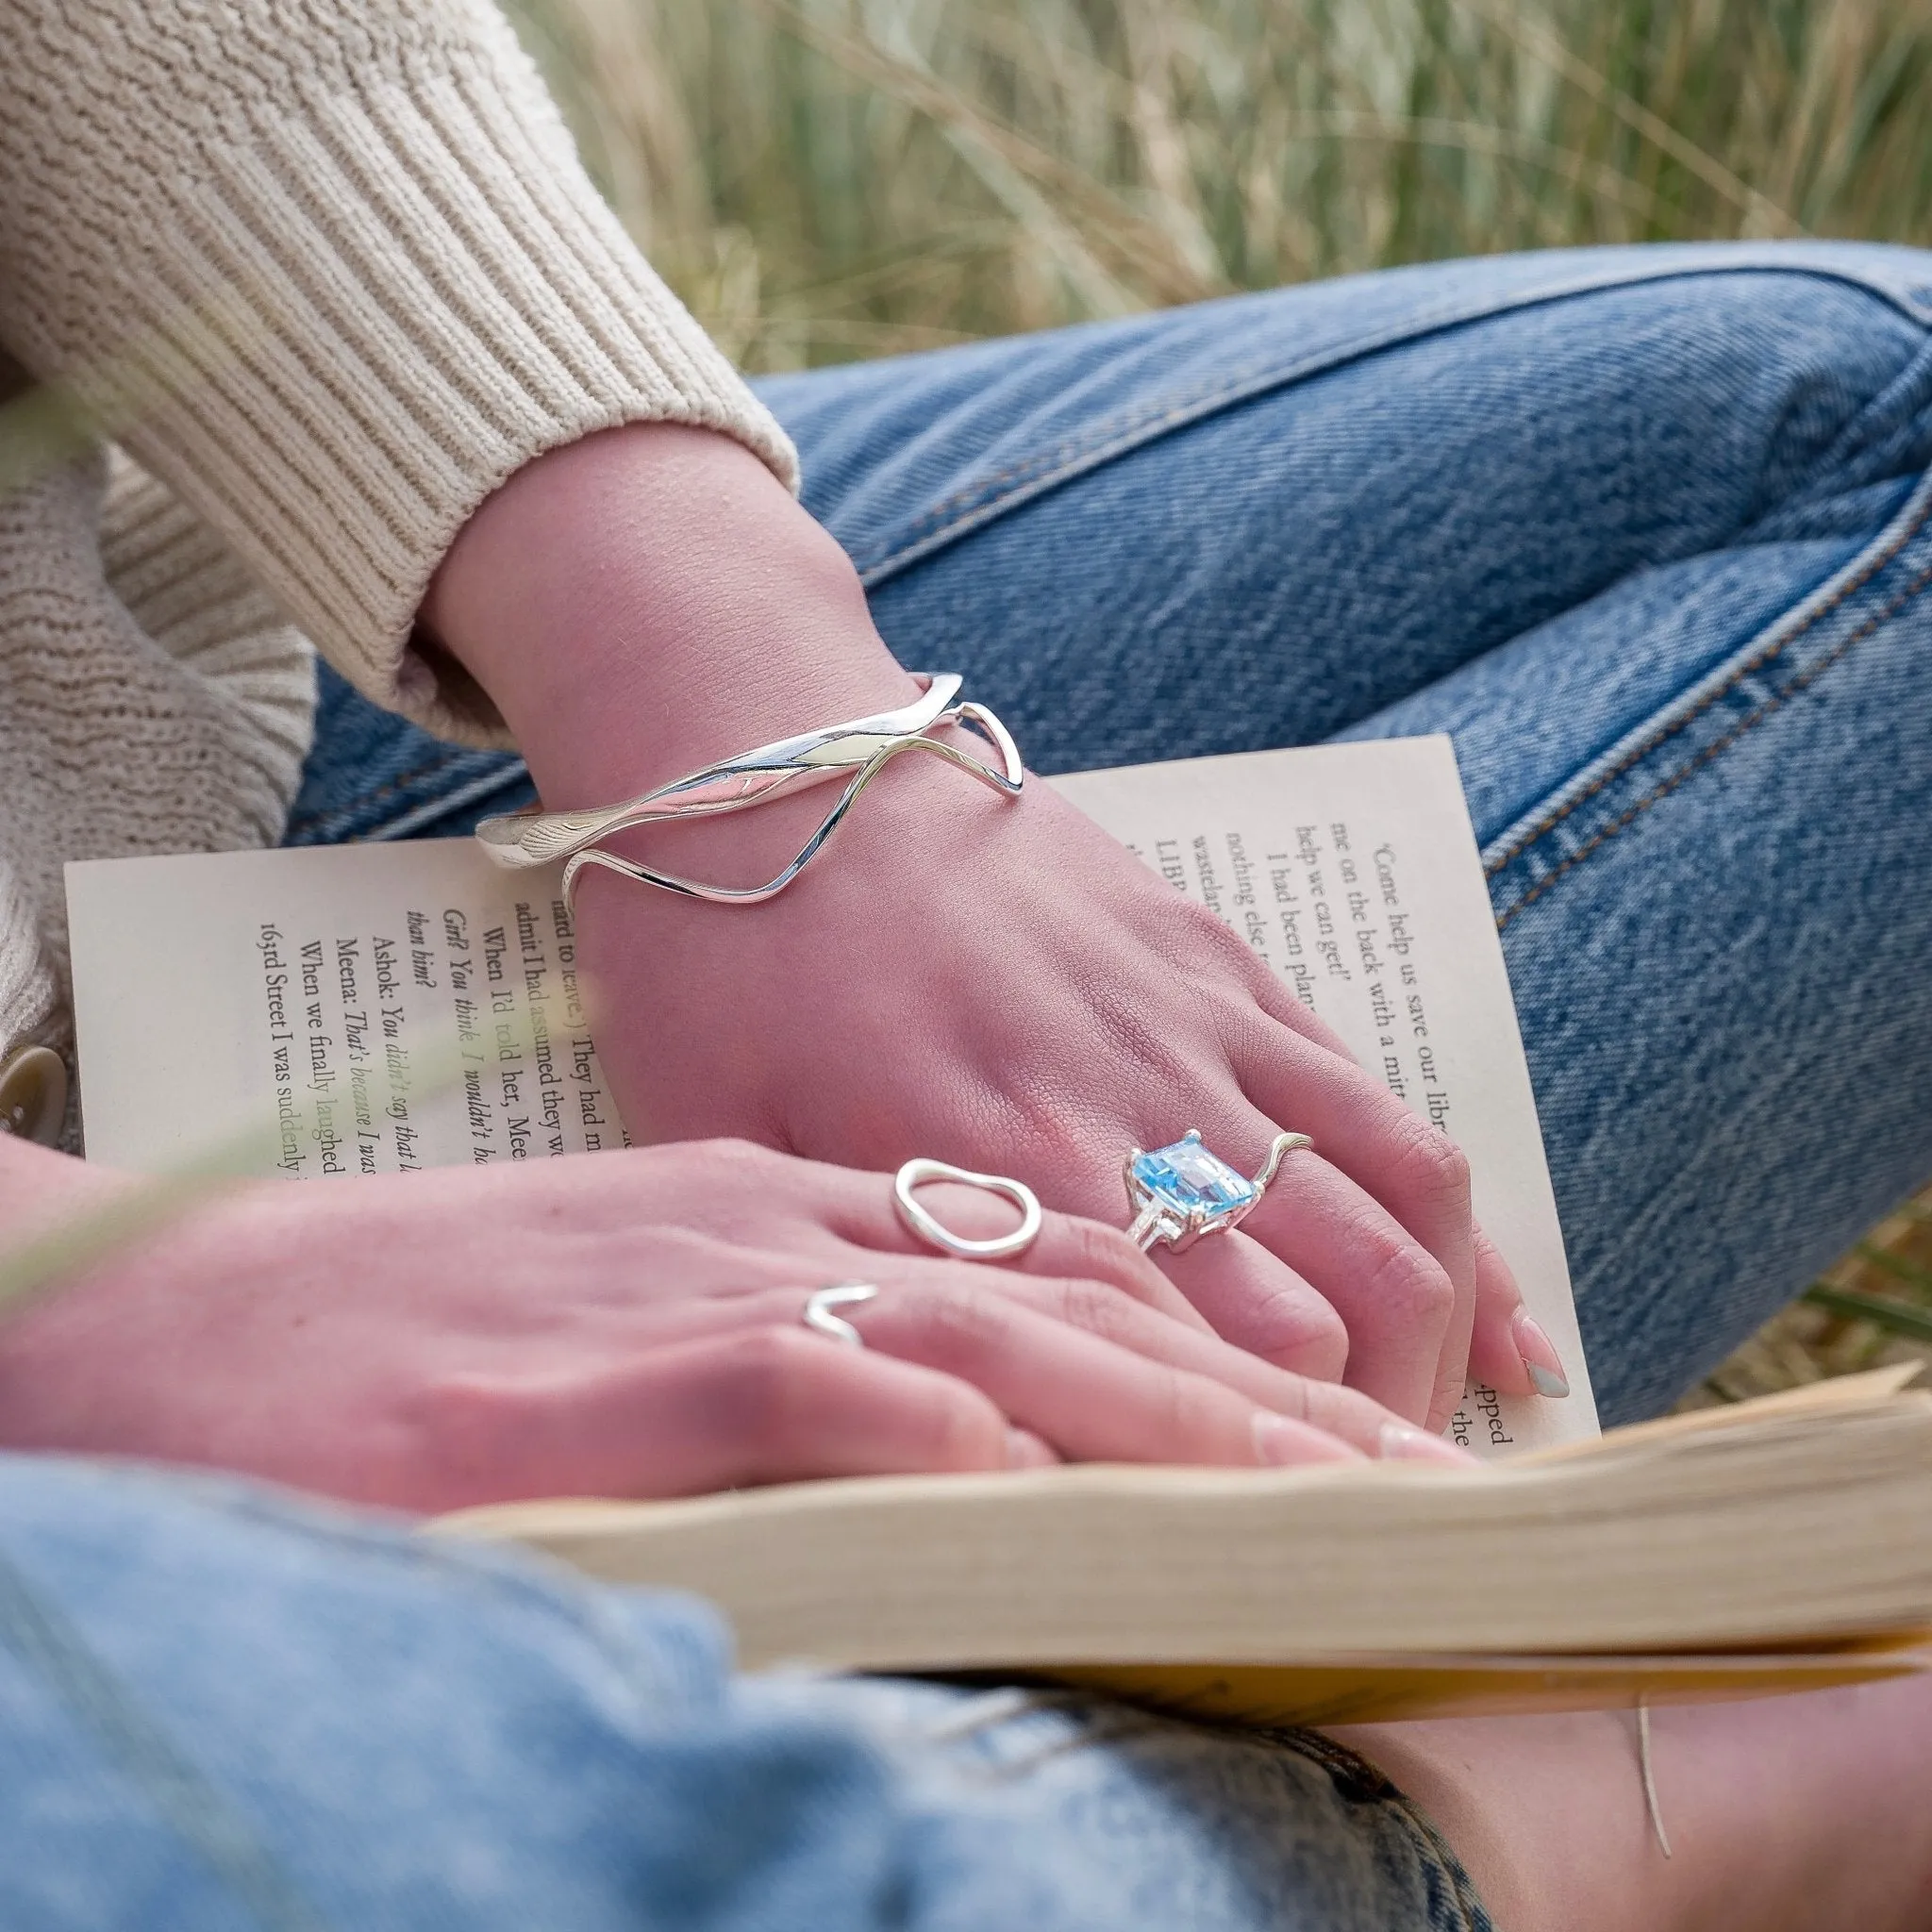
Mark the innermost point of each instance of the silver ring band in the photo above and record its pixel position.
(934, 1232)
(820, 1319)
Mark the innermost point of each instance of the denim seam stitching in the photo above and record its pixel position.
(1115, 435)
(1756, 662)
(1775, 702)
(326, 825)
(1360, 1782)
(1448, 1882)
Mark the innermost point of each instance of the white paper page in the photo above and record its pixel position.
(1353, 870)
(333, 1011)
(368, 1008)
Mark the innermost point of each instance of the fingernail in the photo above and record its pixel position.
(1024, 1450)
(1279, 1442)
(1400, 1443)
(1539, 1355)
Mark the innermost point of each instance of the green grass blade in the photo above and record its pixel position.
(1896, 1266)
(1897, 1318)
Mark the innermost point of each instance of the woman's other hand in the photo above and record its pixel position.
(627, 1324)
(992, 983)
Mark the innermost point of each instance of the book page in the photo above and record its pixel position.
(333, 1012)
(329, 1011)
(1353, 870)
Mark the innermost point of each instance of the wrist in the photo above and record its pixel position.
(649, 600)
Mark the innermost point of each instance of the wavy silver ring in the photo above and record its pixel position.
(922, 1223)
(1184, 1191)
(820, 1319)
(862, 747)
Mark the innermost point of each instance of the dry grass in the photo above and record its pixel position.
(830, 178)
(825, 179)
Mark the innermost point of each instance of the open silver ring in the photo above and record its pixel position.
(916, 1174)
(820, 1319)
(1179, 1193)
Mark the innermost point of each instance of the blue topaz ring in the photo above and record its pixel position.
(1178, 1193)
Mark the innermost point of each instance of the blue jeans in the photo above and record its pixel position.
(218, 1710)
(1645, 531)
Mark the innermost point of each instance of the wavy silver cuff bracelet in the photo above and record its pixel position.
(861, 748)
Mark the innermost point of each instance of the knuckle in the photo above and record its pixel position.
(469, 1418)
(755, 1381)
(1103, 1311)
(1292, 1327)
(961, 1433)
(1425, 1160)
(1212, 945)
(724, 1174)
(1410, 1289)
(1103, 1254)
(952, 1322)
(1193, 1408)
(730, 1154)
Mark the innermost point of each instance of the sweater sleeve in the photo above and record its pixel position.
(331, 269)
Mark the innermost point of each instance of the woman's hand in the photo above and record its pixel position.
(991, 983)
(630, 1325)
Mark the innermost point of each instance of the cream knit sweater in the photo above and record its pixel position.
(328, 271)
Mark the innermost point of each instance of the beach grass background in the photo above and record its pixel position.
(830, 179)
(826, 179)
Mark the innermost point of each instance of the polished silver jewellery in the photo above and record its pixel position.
(860, 748)
(820, 1319)
(927, 1226)
(1181, 1192)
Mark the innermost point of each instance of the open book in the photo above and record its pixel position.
(319, 1014)
(1780, 1545)
(325, 1013)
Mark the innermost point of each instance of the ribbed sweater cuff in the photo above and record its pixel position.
(381, 306)
(28, 1012)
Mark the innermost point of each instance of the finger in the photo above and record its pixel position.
(1089, 1398)
(1346, 1413)
(1510, 1349)
(759, 1404)
(1095, 1307)
(1321, 1402)
(1363, 1130)
(1343, 1414)
(1397, 1301)
(894, 1318)
(1129, 1324)
(1261, 1306)
(1353, 1417)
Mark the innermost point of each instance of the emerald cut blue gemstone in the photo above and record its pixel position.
(1187, 1178)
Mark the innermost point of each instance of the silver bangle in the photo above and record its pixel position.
(862, 747)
